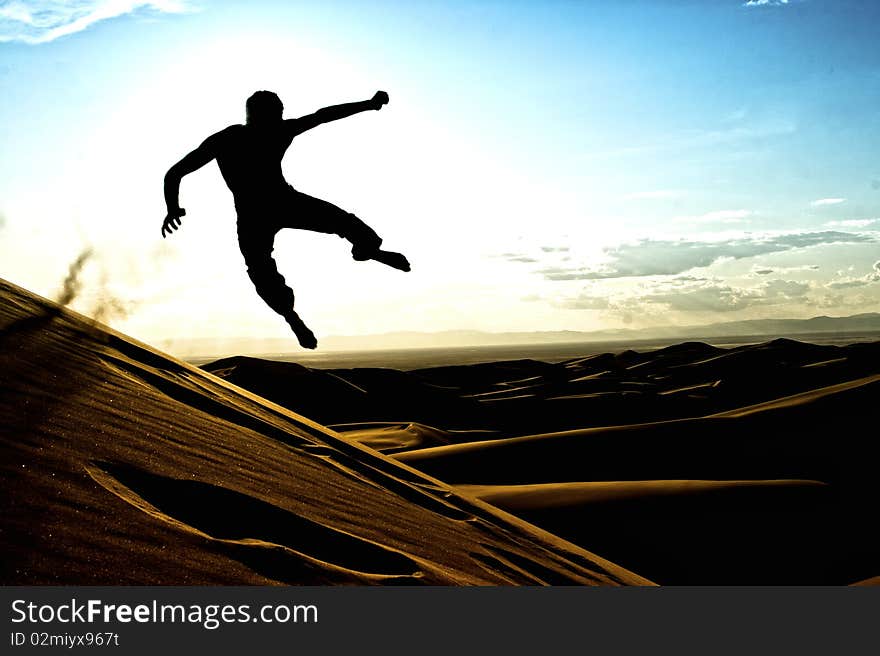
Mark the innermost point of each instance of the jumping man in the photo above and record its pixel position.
(249, 157)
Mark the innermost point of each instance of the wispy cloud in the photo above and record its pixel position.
(725, 134)
(541, 254)
(41, 21)
(718, 216)
(827, 201)
(726, 298)
(760, 270)
(587, 301)
(693, 295)
(516, 257)
(650, 257)
(852, 223)
(765, 3)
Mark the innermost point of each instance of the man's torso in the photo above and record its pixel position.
(250, 162)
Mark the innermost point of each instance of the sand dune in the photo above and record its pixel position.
(799, 436)
(524, 397)
(690, 464)
(543, 496)
(124, 466)
(874, 580)
(782, 532)
(348, 396)
(391, 437)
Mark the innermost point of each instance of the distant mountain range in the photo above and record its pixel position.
(858, 323)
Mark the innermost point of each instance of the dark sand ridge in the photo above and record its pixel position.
(738, 527)
(121, 465)
(705, 465)
(825, 433)
(525, 397)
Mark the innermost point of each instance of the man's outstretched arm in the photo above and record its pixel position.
(336, 112)
(191, 162)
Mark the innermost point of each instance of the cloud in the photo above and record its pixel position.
(847, 283)
(680, 280)
(852, 223)
(587, 301)
(725, 298)
(665, 257)
(718, 216)
(526, 258)
(687, 294)
(563, 273)
(516, 257)
(777, 289)
(765, 3)
(762, 270)
(726, 215)
(827, 201)
(41, 21)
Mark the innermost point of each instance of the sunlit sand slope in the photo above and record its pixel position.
(121, 465)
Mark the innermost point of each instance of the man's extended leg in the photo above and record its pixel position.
(310, 213)
(256, 246)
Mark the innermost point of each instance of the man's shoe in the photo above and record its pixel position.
(305, 336)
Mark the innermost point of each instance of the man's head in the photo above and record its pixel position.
(263, 107)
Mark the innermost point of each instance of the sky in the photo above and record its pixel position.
(543, 165)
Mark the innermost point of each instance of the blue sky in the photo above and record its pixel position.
(545, 165)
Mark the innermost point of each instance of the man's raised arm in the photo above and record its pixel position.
(191, 162)
(336, 112)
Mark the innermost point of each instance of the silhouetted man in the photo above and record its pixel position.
(249, 157)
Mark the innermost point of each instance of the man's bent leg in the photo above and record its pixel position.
(310, 213)
(256, 247)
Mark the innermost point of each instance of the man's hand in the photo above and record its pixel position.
(172, 221)
(379, 99)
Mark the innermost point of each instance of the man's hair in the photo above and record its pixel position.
(263, 107)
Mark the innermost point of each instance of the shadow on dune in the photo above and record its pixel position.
(704, 532)
(275, 542)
